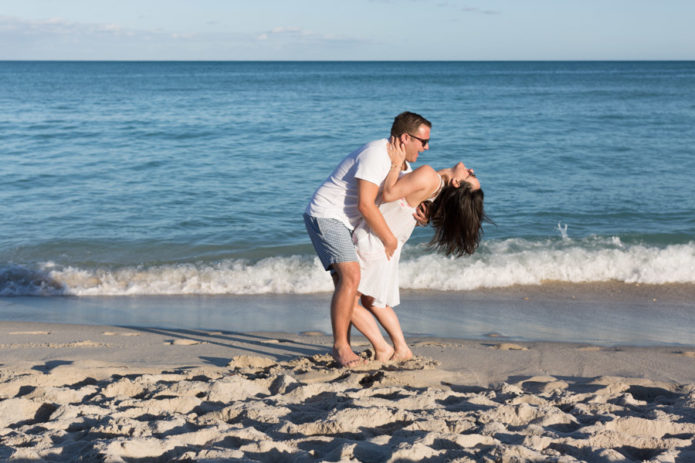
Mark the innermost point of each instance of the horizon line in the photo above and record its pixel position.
(347, 60)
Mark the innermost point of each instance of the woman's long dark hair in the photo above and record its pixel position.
(457, 216)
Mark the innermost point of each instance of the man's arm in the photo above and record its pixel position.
(367, 192)
(422, 214)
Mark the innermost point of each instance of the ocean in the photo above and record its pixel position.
(186, 179)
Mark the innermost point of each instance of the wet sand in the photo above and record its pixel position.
(603, 313)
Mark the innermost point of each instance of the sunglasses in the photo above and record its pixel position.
(424, 141)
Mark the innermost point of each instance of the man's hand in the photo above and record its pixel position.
(367, 192)
(422, 213)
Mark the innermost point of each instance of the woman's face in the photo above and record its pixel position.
(460, 173)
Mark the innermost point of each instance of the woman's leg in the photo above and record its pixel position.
(389, 320)
(363, 320)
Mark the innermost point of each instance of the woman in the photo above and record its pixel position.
(455, 209)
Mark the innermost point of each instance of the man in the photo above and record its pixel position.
(346, 197)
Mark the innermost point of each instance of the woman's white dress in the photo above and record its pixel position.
(379, 276)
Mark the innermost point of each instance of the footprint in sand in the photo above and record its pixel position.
(312, 333)
(249, 361)
(30, 332)
(86, 343)
(76, 344)
(428, 343)
(277, 341)
(122, 333)
(182, 342)
(507, 346)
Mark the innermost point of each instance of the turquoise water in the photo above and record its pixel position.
(144, 178)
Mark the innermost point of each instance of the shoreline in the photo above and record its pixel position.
(598, 313)
(117, 393)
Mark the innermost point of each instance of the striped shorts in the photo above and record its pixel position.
(332, 240)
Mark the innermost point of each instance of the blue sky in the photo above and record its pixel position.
(347, 29)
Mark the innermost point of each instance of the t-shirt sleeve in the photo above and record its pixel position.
(373, 164)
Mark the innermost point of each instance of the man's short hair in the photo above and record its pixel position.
(408, 122)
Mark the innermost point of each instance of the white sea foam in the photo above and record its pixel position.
(497, 264)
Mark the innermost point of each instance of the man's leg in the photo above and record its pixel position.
(332, 241)
(346, 279)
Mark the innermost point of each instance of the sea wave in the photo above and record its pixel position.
(497, 264)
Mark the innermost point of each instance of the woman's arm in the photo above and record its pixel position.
(396, 151)
(415, 186)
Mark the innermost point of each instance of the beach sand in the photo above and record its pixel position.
(123, 394)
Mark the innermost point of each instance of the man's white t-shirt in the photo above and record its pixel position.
(337, 197)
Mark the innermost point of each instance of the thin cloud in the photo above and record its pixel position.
(467, 9)
(444, 4)
(290, 34)
(56, 26)
(57, 38)
(283, 32)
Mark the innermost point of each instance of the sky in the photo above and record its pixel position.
(347, 30)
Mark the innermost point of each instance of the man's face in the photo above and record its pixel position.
(416, 142)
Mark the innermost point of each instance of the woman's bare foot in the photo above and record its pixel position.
(384, 354)
(402, 354)
(346, 358)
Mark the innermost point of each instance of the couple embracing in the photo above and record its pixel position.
(363, 213)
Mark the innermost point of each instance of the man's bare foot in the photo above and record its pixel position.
(384, 354)
(402, 354)
(346, 358)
